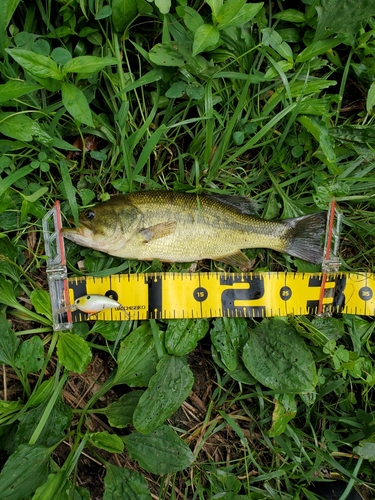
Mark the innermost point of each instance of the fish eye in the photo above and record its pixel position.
(90, 214)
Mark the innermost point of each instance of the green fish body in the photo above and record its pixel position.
(182, 227)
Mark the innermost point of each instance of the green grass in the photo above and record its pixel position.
(266, 101)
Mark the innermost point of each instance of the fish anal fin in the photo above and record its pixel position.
(158, 231)
(237, 259)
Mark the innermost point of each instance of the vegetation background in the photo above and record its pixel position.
(272, 100)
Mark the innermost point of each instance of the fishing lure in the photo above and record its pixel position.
(92, 304)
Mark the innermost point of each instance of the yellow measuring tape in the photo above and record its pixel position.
(208, 295)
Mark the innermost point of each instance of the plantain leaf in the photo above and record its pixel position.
(137, 358)
(168, 54)
(124, 484)
(342, 16)
(161, 452)
(366, 448)
(278, 357)
(106, 441)
(182, 335)
(229, 335)
(30, 355)
(284, 411)
(73, 352)
(120, 413)
(167, 390)
(24, 471)
(8, 343)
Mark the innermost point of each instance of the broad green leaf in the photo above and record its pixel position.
(229, 335)
(13, 89)
(205, 37)
(24, 471)
(182, 335)
(354, 133)
(177, 89)
(36, 64)
(244, 15)
(40, 299)
(241, 374)
(88, 64)
(30, 355)
(124, 484)
(192, 18)
(278, 357)
(8, 342)
(73, 352)
(317, 48)
(332, 328)
(166, 391)
(312, 86)
(341, 16)
(123, 14)
(160, 452)
(20, 127)
(291, 15)
(370, 101)
(163, 5)
(168, 54)
(320, 132)
(137, 358)
(366, 448)
(104, 12)
(120, 413)
(285, 410)
(272, 72)
(273, 39)
(54, 430)
(215, 5)
(228, 11)
(76, 103)
(106, 441)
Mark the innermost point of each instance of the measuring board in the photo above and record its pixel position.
(208, 295)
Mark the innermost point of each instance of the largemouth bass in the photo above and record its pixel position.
(182, 227)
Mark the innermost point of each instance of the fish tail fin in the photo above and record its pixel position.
(305, 237)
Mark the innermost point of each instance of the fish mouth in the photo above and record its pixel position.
(77, 235)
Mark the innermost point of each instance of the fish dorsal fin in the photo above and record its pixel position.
(237, 259)
(239, 203)
(157, 231)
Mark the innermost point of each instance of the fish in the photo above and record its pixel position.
(187, 227)
(92, 304)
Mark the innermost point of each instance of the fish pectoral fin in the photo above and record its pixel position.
(157, 231)
(237, 259)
